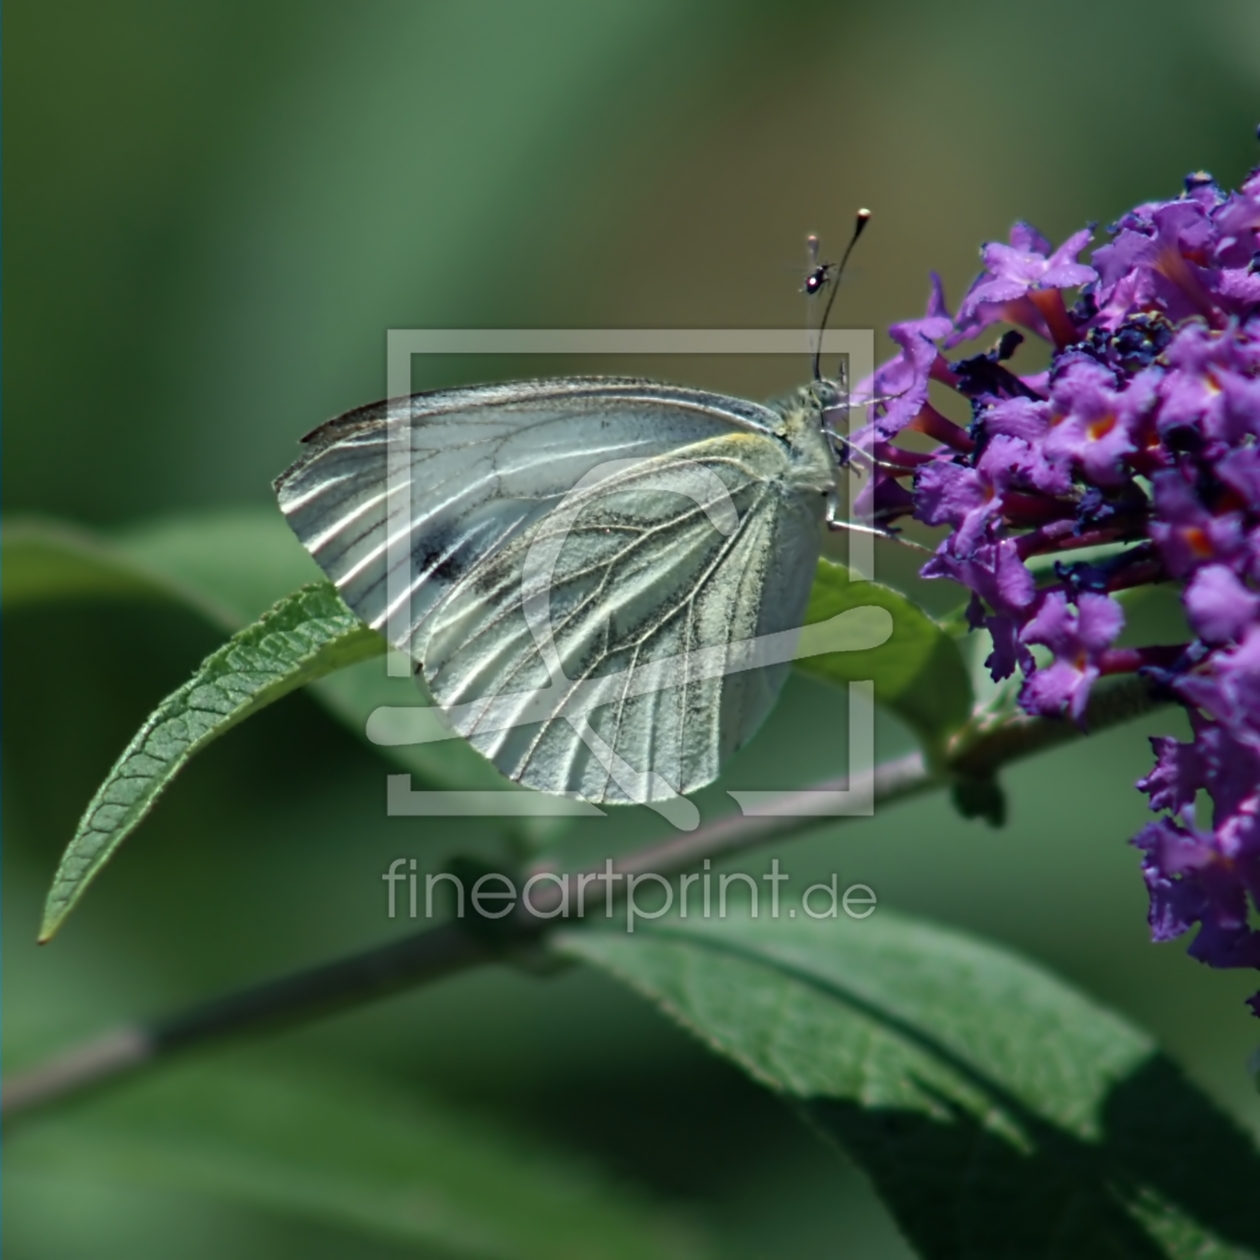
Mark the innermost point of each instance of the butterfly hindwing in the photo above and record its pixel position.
(652, 574)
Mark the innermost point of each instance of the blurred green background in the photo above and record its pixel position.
(212, 214)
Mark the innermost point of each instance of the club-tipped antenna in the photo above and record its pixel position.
(822, 273)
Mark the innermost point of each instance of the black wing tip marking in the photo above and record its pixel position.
(356, 417)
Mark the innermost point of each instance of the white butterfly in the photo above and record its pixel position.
(592, 568)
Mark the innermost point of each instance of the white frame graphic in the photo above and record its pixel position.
(387, 725)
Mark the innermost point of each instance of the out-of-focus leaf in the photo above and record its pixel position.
(1153, 614)
(333, 1149)
(997, 1110)
(307, 635)
(227, 566)
(918, 673)
(244, 559)
(43, 561)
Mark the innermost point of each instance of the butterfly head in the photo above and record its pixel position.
(823, 395)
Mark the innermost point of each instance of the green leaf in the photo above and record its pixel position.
(243, 559)
(919, 672)
(335, 1150)
(998, 1111)
(228, 566)
(305, 636)
(43, 561)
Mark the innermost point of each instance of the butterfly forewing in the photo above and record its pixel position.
(483, 462)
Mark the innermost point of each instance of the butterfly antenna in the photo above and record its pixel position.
(863, 218)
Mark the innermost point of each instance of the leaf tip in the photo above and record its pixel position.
(54, 916)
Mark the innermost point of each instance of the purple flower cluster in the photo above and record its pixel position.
(1140, 441)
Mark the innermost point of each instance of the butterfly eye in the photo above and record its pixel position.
(826, 396)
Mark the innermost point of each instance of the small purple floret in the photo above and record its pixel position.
(1013, 273)
(1078, 637)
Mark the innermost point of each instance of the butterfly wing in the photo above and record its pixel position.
(473, 467)
(583, 561)
(629, 678)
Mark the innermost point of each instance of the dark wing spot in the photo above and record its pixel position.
(436, 556)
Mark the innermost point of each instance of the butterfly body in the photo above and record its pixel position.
(580, 565)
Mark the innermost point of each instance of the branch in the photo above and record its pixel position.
(456, 946)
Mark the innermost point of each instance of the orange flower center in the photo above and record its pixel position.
(1102, 426)
(1198, 541)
